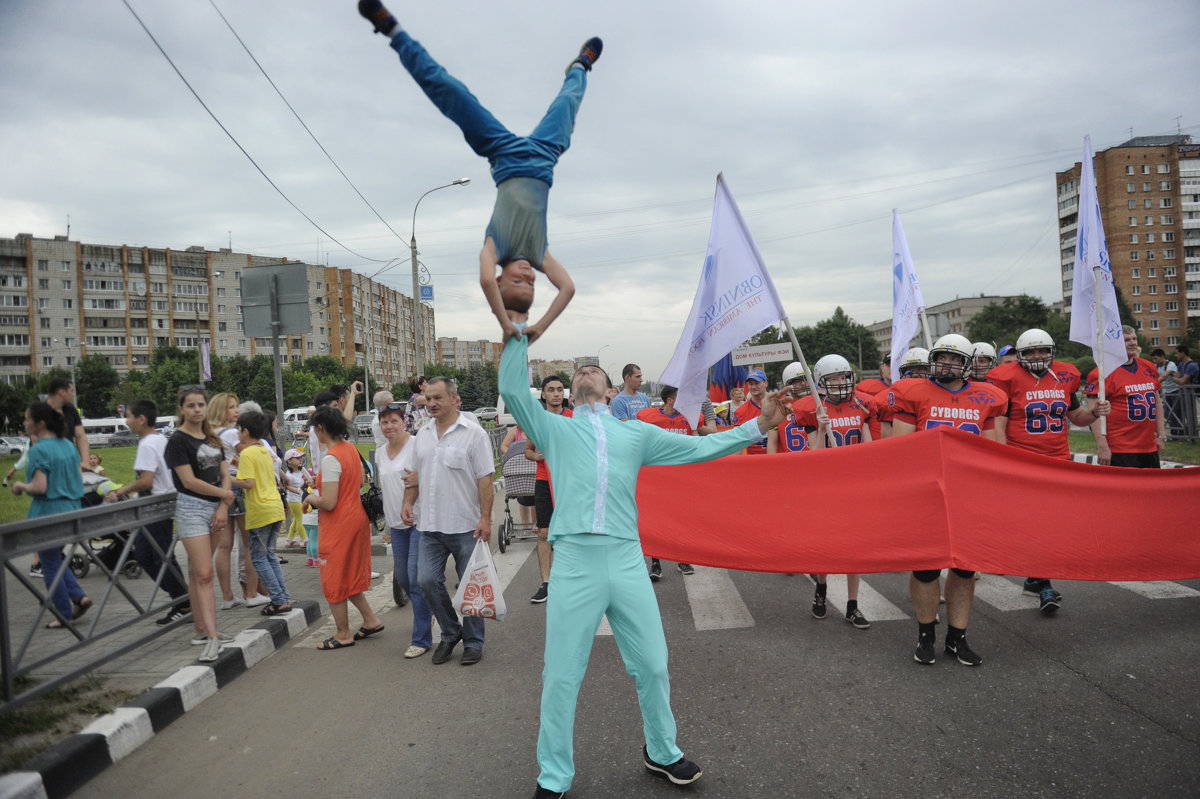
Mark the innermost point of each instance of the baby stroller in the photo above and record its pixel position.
(518, 474)
(105, 549)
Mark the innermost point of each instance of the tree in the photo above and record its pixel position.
(839, 334)
(327, 370)
(95, 382)
(14, 399)
(478, 387)
(1002, 322)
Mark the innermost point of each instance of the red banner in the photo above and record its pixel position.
(939, 499)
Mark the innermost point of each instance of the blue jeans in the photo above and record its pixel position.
(435, 549)
(518, 223)
(406, 544)
(68, 590)
(262, 555)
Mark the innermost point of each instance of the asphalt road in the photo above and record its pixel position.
(1101, 700)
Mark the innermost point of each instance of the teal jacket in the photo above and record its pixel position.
(594, 459)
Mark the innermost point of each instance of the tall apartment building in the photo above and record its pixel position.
(461, 354)
(61, 300)
(1149, 194)
(947, 317)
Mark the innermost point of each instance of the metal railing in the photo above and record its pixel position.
(26, 646)
(1181, 413)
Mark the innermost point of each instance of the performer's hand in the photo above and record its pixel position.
(483, 530)
(774, 409)
(1103, 408)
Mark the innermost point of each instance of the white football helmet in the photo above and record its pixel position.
(1035, 339)
(834, 375)
(794, 378)
(915, 363)
(957, 346)
(985, 359)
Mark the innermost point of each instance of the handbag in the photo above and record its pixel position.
(372, 498)
(479, 592)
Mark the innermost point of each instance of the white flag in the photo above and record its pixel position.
(1091, 252)
(735, 300)
(907, 302)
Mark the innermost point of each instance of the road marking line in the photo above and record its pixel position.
(1003, 594)
(874, 605)
(715, 601)
(1158, 589)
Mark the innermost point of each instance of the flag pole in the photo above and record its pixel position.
(812, 384)
(925, 328)
(1100, 347)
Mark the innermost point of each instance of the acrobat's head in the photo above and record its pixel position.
(516, 285)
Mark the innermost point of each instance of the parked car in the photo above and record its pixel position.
(486, 414)
(362, 423)
(125, 438)
(13, 445)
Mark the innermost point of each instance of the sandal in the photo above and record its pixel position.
(332, 643)
(364, 632)
(81, 607)
(275, 610)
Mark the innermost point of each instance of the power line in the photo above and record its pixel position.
(301, 121)
(237, 144)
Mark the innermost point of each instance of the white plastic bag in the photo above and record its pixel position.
(479, 591)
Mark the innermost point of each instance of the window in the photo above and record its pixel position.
(1135, 272)
(1149, 220)
(1166, 202)
(1133, 221)
(69, 303)
(1154, 307)
(45, 323)
(1165, 219)
(1153, 288)
(1172, 340)
(43, 265)
(1145, 169)
(1154, 341)
(220, 309)
(43, 284)
(141, 341)
(1131, 204)
(46, 341)
(1171, 288)
(1137, 291)
(47, 360)
(1170, 271)
(222, 326)
(104, 285)
(1147, 203)
(105, 341)
(1168, 235)
(158, 288)
(1168, 253)
(1154, 324)
(1134, 255)
(223, 344)
(1164, 185)
(1137, 307)
(103, 305)
(1164, 169)
(220, 291)
(1150, 257)
(66, 266)
(1149, 238)
(1172, 324)
(1129, 169)
(66, 285)
(1172, 305)
(14, 340)
(1133, 238)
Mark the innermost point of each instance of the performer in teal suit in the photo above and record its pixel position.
(598, 564)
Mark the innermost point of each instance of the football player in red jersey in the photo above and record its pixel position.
(874, 386)
(672, 421)
(554, 398)
(1136, 427)
(1041, 399)
(845, 421)
(756, 393)
(913, 365)
(789, 436)
(946, 399)
(983, 362)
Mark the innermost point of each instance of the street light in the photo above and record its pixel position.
(415, 286)
(602, 349)
(70, 357)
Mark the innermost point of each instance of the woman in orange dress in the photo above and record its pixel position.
(345, 535)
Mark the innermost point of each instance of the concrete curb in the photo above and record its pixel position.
(71, 763)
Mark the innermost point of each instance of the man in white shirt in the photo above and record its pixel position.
(154, 478)
(453, 461)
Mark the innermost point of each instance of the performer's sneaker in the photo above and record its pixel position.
(655, 571)
(541, 595)
(925, 654)
(685, 568)
(818, 606)
(681, 772)
(543, 793)
(588, 54)
(1049, 601)
(379, 16)
(1032, 587)
(959, 649)
(857, 618)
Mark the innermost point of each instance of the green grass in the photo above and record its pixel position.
(1177, 451)
(30, 730)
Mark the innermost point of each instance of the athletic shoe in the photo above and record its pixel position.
(963, 652)
(229, 604)
(655, 571)
(1050, 601)
(1032, 587)
(378, 16)
(36, 570)
(588, 54)
(818, 606)
(857, 618)
(681, 772)
(212, 648)
(374, 575)
(201, 639)
(257, 600)
(541, 594)
(925, 654)
(175, 614)
(686, 568)
(543, 793)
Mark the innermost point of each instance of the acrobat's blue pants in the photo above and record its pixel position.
(594, 576)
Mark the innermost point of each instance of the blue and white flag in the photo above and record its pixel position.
(205, 362)
(1091, 252)
(907, 302)
(735, 300)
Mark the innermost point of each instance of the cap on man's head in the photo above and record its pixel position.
(757, 374)
(888, 359)
(1006, 349)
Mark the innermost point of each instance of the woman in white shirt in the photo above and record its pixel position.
(393, 463)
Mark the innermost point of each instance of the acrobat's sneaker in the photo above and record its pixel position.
(588, 54)
(378, 16)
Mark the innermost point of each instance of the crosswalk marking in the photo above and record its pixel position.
(1158, 589)
(872, 603)
(715, 601)
(1003, 594)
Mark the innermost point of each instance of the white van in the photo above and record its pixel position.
(98, 431)
(295, 416)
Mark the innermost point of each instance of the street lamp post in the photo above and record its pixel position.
(602, 349)
(415, 285)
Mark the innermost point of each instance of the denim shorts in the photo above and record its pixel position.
(193, 516)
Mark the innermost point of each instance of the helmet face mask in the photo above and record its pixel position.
(799, 387)
(917, 370)
(951, 358)
(984, 360)
(835, 377)
(915, 363)
(1035, 350)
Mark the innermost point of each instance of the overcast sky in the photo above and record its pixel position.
(822, 117)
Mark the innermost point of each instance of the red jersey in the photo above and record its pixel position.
(791, 436)
(746, 411)
(871, 386)
(1133, 391)
(883, 404)
(1037, 406)
(543, 470)
(672, 424)
(846, 418)
(925, 404)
